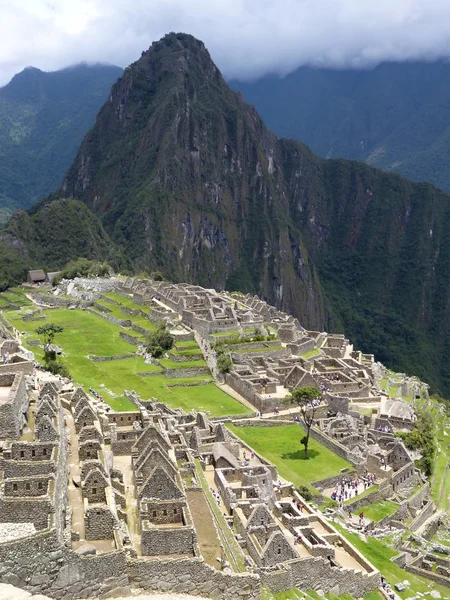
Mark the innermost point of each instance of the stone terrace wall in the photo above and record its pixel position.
(40, 565)
(120, 322)
(50, 300)
(25, 367)
(185, 372)
(416, 501)
(422, 516)
(131, 339)
(333, 445)
(316, 573)
(192, 577)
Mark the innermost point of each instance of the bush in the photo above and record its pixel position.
(158, 342)
(82, 267)
(157, 276)
(57, 368)
(305, 492)
(224, 363)
(422, 438)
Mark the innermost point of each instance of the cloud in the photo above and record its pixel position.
(246, 38)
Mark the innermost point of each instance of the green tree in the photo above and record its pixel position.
(158, 342)
(303, 397)
(224, 363)
(48, 332)
(52, 364)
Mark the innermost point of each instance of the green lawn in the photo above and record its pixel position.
(379, 510)
(87, 334)
(281, 445)
(311, 353)
(15, 296)
(114, 311)
(296, 594)
(380, 556)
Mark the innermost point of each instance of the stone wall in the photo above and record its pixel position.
(192, 577)
(50, 300)
(422, 516)
(185, 372)
(120, 322)
(36, 511)
(24, 366)
(440, 579)
(98, 523)
(417, 500)
(12, 410)
(131, 339)
(316, 573)
(239, 356)
(333, 445)
(113, 357)
(167, 540)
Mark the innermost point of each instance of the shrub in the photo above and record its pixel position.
(305, 492)
(82, 267)
(57, 368)
(224, 363)
(158, 342)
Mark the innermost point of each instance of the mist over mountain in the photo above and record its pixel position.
(395, 116)
(43, 119)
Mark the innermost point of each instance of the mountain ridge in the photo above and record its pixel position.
(394, 116)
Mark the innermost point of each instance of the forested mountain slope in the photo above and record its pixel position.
(43, 119)
(395, 116)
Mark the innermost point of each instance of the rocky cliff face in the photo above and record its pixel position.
(186, 177)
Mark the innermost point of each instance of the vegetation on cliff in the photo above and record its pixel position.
(43, 118)
(57, 232)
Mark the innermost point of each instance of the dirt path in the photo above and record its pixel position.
(206, 532)
(75, 495)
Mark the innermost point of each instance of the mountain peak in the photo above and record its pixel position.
(176, 53)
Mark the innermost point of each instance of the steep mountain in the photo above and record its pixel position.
(185, 176)
(395, 116)
(43, 119)
(54, 234)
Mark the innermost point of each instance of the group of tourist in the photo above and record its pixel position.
(96, 394)
(387, 588)
(349, 487)
(5, 358)
(216, 496)
(245, 461)
(384, 429)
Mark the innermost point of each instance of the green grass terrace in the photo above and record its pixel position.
(86, 334)
(281, 446)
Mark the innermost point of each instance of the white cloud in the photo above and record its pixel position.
(246, 38)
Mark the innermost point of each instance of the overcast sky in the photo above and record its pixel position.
(246, 38)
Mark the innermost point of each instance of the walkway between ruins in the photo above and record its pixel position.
(206, 531)
(123, 464)
(75, 495)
